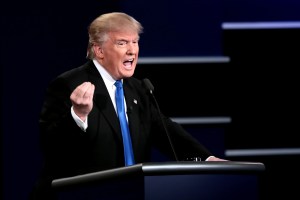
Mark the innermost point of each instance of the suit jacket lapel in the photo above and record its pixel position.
(132, 103)
(103, 101)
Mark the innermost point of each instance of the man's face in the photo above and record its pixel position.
(119, 54)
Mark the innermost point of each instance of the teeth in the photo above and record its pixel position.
(130, 60)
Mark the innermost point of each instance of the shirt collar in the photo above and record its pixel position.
(107, 78)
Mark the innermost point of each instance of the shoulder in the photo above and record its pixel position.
(74, 76)
(78, 72)
(133, 83)
(136, 88)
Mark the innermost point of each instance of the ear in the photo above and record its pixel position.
(98, 51)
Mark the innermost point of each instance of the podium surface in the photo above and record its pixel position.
(166, 180)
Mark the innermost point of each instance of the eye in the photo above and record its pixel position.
(121, 43)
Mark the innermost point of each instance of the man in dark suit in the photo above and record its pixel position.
(79, 126)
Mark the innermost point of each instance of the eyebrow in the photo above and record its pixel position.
(123, 39)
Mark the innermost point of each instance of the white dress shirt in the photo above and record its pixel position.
(109, 83)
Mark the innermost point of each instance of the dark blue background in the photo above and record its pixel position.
(40, 39)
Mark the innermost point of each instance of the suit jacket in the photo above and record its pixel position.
(70, 151)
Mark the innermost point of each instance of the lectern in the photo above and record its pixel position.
(185, 180)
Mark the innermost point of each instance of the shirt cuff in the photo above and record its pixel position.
(83, 125)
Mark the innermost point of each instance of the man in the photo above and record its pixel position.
(79, 125)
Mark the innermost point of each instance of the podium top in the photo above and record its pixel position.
(185, 167)
(162, 168)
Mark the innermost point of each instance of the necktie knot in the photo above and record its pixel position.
(119, 84)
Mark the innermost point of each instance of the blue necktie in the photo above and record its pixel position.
(128, 152)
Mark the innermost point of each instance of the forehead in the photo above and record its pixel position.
(128, 35)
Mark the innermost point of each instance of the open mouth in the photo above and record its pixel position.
(128, 62)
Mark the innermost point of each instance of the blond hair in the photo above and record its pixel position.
(110, 22)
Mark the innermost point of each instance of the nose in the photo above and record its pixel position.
(132, 48)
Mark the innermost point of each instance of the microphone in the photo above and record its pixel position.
(148, 85)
